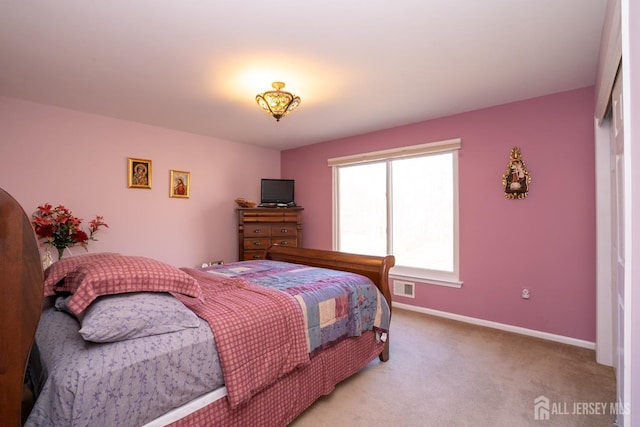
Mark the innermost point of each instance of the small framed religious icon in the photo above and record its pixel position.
(179, 184)
(139, 173)
(516, 179)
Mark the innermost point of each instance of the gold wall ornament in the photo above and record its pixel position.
(516, 179)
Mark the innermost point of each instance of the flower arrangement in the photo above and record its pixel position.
(61, 229)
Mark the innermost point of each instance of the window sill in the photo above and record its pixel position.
(428, 280)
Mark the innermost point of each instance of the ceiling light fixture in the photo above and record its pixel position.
(277, 102)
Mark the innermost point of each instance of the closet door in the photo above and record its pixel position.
(617, 240)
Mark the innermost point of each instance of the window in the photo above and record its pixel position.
(403, 202)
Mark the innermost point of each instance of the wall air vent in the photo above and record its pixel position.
(404, 289)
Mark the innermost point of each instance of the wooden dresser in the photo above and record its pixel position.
(259, 228)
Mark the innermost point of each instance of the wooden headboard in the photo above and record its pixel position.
(20, 305)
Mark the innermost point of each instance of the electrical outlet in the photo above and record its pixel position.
(526, 294)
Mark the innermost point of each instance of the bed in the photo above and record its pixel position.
(241, 366)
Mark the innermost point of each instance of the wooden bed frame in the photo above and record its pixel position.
(20, 305)
(22, 279)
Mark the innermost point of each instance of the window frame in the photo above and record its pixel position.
(442, 278)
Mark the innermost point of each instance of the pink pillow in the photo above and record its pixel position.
(58, 270)
(119, 274)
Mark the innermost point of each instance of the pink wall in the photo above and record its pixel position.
(50, 154)
(545, 243)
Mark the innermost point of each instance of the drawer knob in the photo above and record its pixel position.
(257, 230)
(283, 243)
(257, 243)
(284, 230)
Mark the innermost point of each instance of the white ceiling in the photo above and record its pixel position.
(358, 65)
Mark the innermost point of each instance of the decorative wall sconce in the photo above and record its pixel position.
(516, 179)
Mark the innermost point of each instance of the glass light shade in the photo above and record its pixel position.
(277, 102)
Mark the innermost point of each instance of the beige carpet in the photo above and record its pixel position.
(447, 373)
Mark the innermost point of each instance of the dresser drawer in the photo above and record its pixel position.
(285, 241)
(249, 255)
(257, 243)
(257, 230)
(284, 230)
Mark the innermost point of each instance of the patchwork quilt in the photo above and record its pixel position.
(334, 304)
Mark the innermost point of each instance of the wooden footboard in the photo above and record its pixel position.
(374, 267)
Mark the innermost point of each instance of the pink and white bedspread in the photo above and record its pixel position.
(259, 332)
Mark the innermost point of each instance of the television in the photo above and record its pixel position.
(278, 192)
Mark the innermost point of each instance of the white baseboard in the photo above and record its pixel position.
(502, 326)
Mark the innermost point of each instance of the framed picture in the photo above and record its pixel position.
(139, 173)
(179, 184)
(516, 179)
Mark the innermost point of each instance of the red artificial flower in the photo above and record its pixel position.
(45, 209)
(80, 236)
(46, 230)
(95, 223)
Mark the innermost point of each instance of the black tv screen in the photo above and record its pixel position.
(279, 191)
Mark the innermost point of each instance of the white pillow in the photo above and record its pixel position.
(126, 316)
